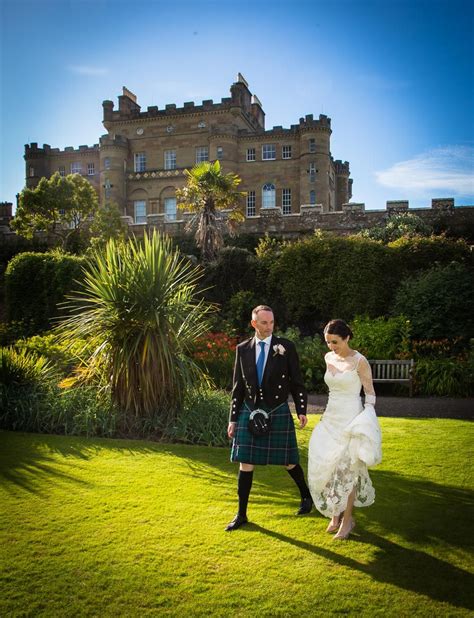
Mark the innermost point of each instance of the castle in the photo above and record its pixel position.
(139, 163)
(292, 183)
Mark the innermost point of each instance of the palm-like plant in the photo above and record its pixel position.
(207, 193)
(137, 306)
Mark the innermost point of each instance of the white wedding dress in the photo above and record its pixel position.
(347, 439)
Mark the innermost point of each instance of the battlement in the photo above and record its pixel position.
(115, 140)
(341, 168)
(308, 122)
(33, 151)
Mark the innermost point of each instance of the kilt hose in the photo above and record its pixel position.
(278, 447)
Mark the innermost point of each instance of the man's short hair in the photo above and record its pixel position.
(259, 308)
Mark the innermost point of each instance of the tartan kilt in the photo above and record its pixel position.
(278, 447)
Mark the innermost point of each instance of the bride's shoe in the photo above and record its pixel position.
(342, 537)
(335, 527)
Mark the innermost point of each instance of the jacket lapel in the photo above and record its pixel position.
(270, 361)
(248, 361)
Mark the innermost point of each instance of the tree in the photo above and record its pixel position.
(138, 314)
(59, 205)
(207, 193)
(107, 224)
(397, 226)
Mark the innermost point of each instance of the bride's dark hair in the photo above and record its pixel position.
(338, 327)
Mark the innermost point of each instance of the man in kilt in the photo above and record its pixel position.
(265, 382)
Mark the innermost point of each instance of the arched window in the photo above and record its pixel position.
(312, 196)
(268, 196)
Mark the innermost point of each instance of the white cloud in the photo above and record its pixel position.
(88, 70)
(449, 169)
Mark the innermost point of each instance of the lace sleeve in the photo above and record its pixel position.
(365, 375)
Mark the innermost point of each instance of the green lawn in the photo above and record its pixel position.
(128, 528)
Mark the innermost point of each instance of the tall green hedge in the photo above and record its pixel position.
(35, 283)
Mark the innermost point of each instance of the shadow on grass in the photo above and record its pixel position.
(399, 566)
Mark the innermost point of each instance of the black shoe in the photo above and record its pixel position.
(239, 520)
(305, 506)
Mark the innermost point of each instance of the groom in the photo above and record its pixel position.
(266, 371)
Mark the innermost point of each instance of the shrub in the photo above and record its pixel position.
(311, 351)
(35, 284)
(239, 310)
(381, 338)
(323, 276)
(203, 419)
(21, 368)
(215, 353)
(234, 270)
(439, 302)
(451, 377)
(398, 225)
(82, 411)
(63, 357)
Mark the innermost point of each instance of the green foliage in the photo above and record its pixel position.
(439, 302)
(58, 205)
(311, 351)
(107, 224)
(46, 409)
(215, 353)
(137, 307)
(21, 368)
(35, 285)
(381, 338)
(448, 377)
(64, 357)
(233, 270)
(238, 310)
(397, 226)
(323, 276)
(202, 420)
(417, 254)
(208, 192)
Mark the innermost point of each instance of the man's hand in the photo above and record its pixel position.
(303, 419)
(231, 430)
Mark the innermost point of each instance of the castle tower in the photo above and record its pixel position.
(112, 167)
(315, 160)
(343, 184)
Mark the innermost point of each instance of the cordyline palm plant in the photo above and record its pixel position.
(138, 307)
(207, 193)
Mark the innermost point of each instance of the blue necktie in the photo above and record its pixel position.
(261, 362)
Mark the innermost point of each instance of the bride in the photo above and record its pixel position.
(347, 439)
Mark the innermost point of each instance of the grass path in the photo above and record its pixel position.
(128, 528)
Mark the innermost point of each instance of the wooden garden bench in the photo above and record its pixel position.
(393, 371)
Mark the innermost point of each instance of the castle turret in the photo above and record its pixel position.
(343, 184)
(315, 160)
(113, 163)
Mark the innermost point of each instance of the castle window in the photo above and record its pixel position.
(106, 163)
(170, 159)
(251, 210)
(250, 154)
(202, 154)
(90, 169)
(268, 152)
(312, 145)
(140, 162)
(62, 170)
(286, 152)
(286, 201)
(76, 167)
(139, 209)
(170, 208)
(312, 196)
(31, 171)
(312, 172)
(268, 196)
(219, 152)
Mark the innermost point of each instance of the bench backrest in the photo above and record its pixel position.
(392, 369)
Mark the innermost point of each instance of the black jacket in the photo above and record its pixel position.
(281, 377)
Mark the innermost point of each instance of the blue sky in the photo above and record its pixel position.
(395, 76)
